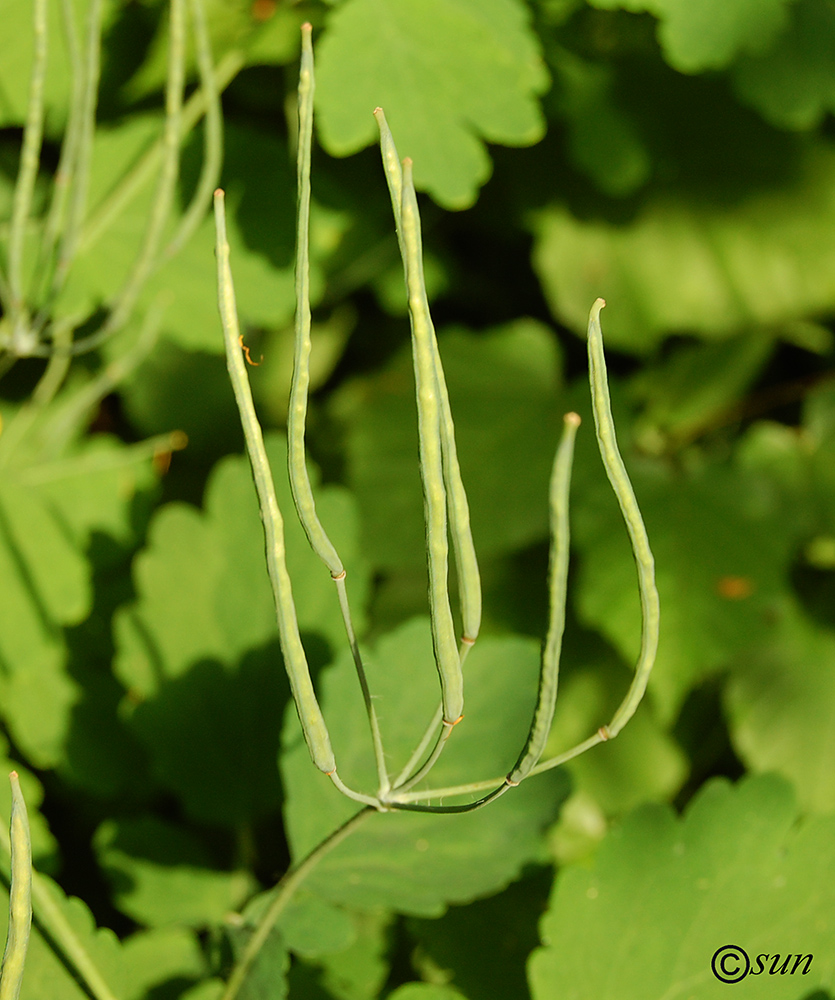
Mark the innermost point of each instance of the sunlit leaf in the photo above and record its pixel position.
(699, 35)
(442, 99)
(664, 894)
(700, 267)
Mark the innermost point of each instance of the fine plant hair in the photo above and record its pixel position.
(446, 516)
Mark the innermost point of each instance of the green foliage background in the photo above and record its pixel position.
(676, 157)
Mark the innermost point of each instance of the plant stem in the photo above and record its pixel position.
(283, 894)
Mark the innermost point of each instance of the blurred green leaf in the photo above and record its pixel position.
(267, 976)
(49, 511)
(162, 875)
(665, 893)
(695, 385)
(792, 83)
(311, 926)
(443, 96)
(699, 35)
(781, 699)
(603, 141)
(426, 991)
(359, 972)
(710, 268)
(424, 868)
(16, 49)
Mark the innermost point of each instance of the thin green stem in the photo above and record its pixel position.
(66, 163)
(297, 413)
(193, 110)
(27, 174)
(212, 135)
(81, 136)
(413, 771)
(148, 258)
(283, 894)
(400, 800)
(97, 462)
(366, 800)
(497, 789)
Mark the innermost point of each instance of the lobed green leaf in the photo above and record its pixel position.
(664, 894)
(443, 98)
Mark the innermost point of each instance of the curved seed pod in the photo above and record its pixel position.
(20, 897)
(299, 479)
(618, 477)
(549, 671)
(295, 661)
(431, 460)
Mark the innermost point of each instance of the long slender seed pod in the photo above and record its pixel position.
(299, 388)
(431, 460)
(469, 580)
(549, 672)
(393, 170)
(295, 661)
(20, 897)
(27, 173)
(618, 477)
(299, 479)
